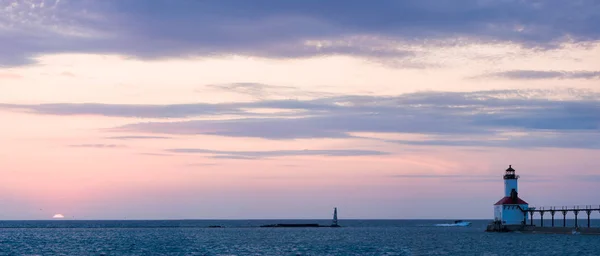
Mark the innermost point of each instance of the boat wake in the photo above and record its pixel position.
(458, 223)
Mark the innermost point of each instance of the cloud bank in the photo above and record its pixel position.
(498, 118)
(284, 29)
(502, 118)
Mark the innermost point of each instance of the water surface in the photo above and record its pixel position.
(239, 237)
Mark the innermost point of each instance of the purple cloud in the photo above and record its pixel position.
(538, 74)
(285, 29)
(444, 115)
(251, 155)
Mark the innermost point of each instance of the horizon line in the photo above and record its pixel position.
(259, 219)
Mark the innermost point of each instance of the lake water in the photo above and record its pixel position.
(238, 237)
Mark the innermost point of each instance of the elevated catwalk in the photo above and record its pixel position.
(588, 209)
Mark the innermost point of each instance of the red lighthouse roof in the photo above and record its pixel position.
(509, 200)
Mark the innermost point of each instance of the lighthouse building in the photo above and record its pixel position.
(510, 209)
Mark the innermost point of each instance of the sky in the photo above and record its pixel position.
(234, 109)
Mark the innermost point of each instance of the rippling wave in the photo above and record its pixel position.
(238, 237)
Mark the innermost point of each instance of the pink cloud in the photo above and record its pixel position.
(66, 73)
(7, 75)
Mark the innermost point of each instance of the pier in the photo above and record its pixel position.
(512, 213)
(588, 209)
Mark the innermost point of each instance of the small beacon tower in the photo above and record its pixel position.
(509, 210)
(334, 222)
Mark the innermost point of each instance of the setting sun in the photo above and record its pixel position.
(58, 216)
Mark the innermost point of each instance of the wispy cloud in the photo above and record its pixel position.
(67, 74)
(435, 176)
(155, 154)
(97, 146)
(494, 178)
(272, 128)
(128, 110)
(538, 75)
(201, 164)
(586, 177)
(291, 165)
(6, 75)
(429, 102)
(277, 153)
(138, 137)
(531, 139)
(235, 157)
(450, 177)
(265, 91)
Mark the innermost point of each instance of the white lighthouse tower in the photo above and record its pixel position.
(509, 210)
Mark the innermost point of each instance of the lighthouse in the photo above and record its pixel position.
(510, 209)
